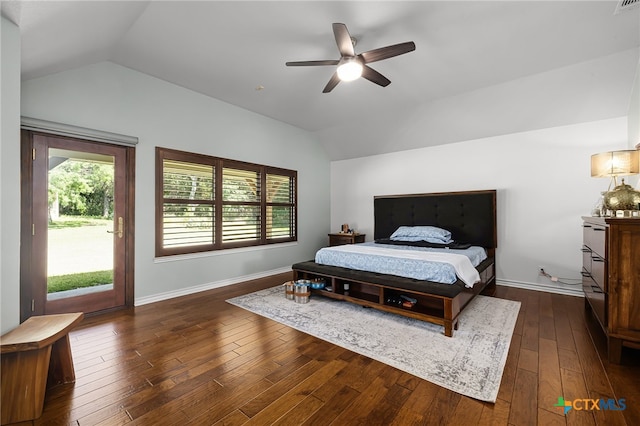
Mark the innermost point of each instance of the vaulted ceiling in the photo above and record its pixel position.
(468, 54)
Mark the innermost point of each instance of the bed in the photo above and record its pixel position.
(469, 216)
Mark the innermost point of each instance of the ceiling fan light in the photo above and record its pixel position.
(350, 70)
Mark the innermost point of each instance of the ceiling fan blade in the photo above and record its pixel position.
(343, 40)
(332, 83)
(375, 77)
(312, 63)
(387, 52)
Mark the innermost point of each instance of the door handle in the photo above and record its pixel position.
(120, 231)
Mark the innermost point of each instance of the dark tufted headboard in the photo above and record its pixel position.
(469, 215)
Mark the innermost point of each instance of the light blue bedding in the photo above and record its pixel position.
(405, 267)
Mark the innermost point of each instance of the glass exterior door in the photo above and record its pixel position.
(79, 227)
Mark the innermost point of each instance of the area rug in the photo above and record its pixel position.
(470, 363)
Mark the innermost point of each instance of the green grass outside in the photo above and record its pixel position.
(80, 280)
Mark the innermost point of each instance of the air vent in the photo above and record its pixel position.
(624, 5)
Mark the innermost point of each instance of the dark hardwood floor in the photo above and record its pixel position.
(197, 360)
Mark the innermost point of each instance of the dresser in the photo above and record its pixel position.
(345, 238)
(611, 279)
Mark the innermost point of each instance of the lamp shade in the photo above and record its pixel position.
(615, 163)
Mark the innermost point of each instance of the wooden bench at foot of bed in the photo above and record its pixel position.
(436, 303)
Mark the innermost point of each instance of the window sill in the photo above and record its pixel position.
(204, 254)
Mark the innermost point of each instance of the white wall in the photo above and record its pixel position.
(543, 182)
(634, 112)
(109, 97)
(9, 176)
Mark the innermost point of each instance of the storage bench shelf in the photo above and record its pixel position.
(434, 308)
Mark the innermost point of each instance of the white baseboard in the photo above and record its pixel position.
(569, 291)
(139, 301)
(573, 290)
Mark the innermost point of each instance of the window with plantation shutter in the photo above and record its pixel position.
(240, 205)
(207, 203)
(281, 206)
(188, 215)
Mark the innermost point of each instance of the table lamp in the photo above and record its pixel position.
(613, 164)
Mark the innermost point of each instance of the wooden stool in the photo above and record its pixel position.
(35, 356)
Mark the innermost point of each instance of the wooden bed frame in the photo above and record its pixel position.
(471, 218)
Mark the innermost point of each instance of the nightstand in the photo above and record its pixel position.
(340, 238)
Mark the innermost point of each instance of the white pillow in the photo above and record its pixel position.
(430, 234)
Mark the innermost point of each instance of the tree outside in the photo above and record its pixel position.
(80, 250)
(81, 188)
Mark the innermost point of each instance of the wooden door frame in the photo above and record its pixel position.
(27, 295)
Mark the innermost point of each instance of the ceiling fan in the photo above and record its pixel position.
(352, 66)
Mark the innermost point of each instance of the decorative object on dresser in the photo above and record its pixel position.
(345, 238)
(611, 279)
(613, 164)
(469, 216)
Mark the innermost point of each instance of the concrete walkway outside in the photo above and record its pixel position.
(81, 249)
